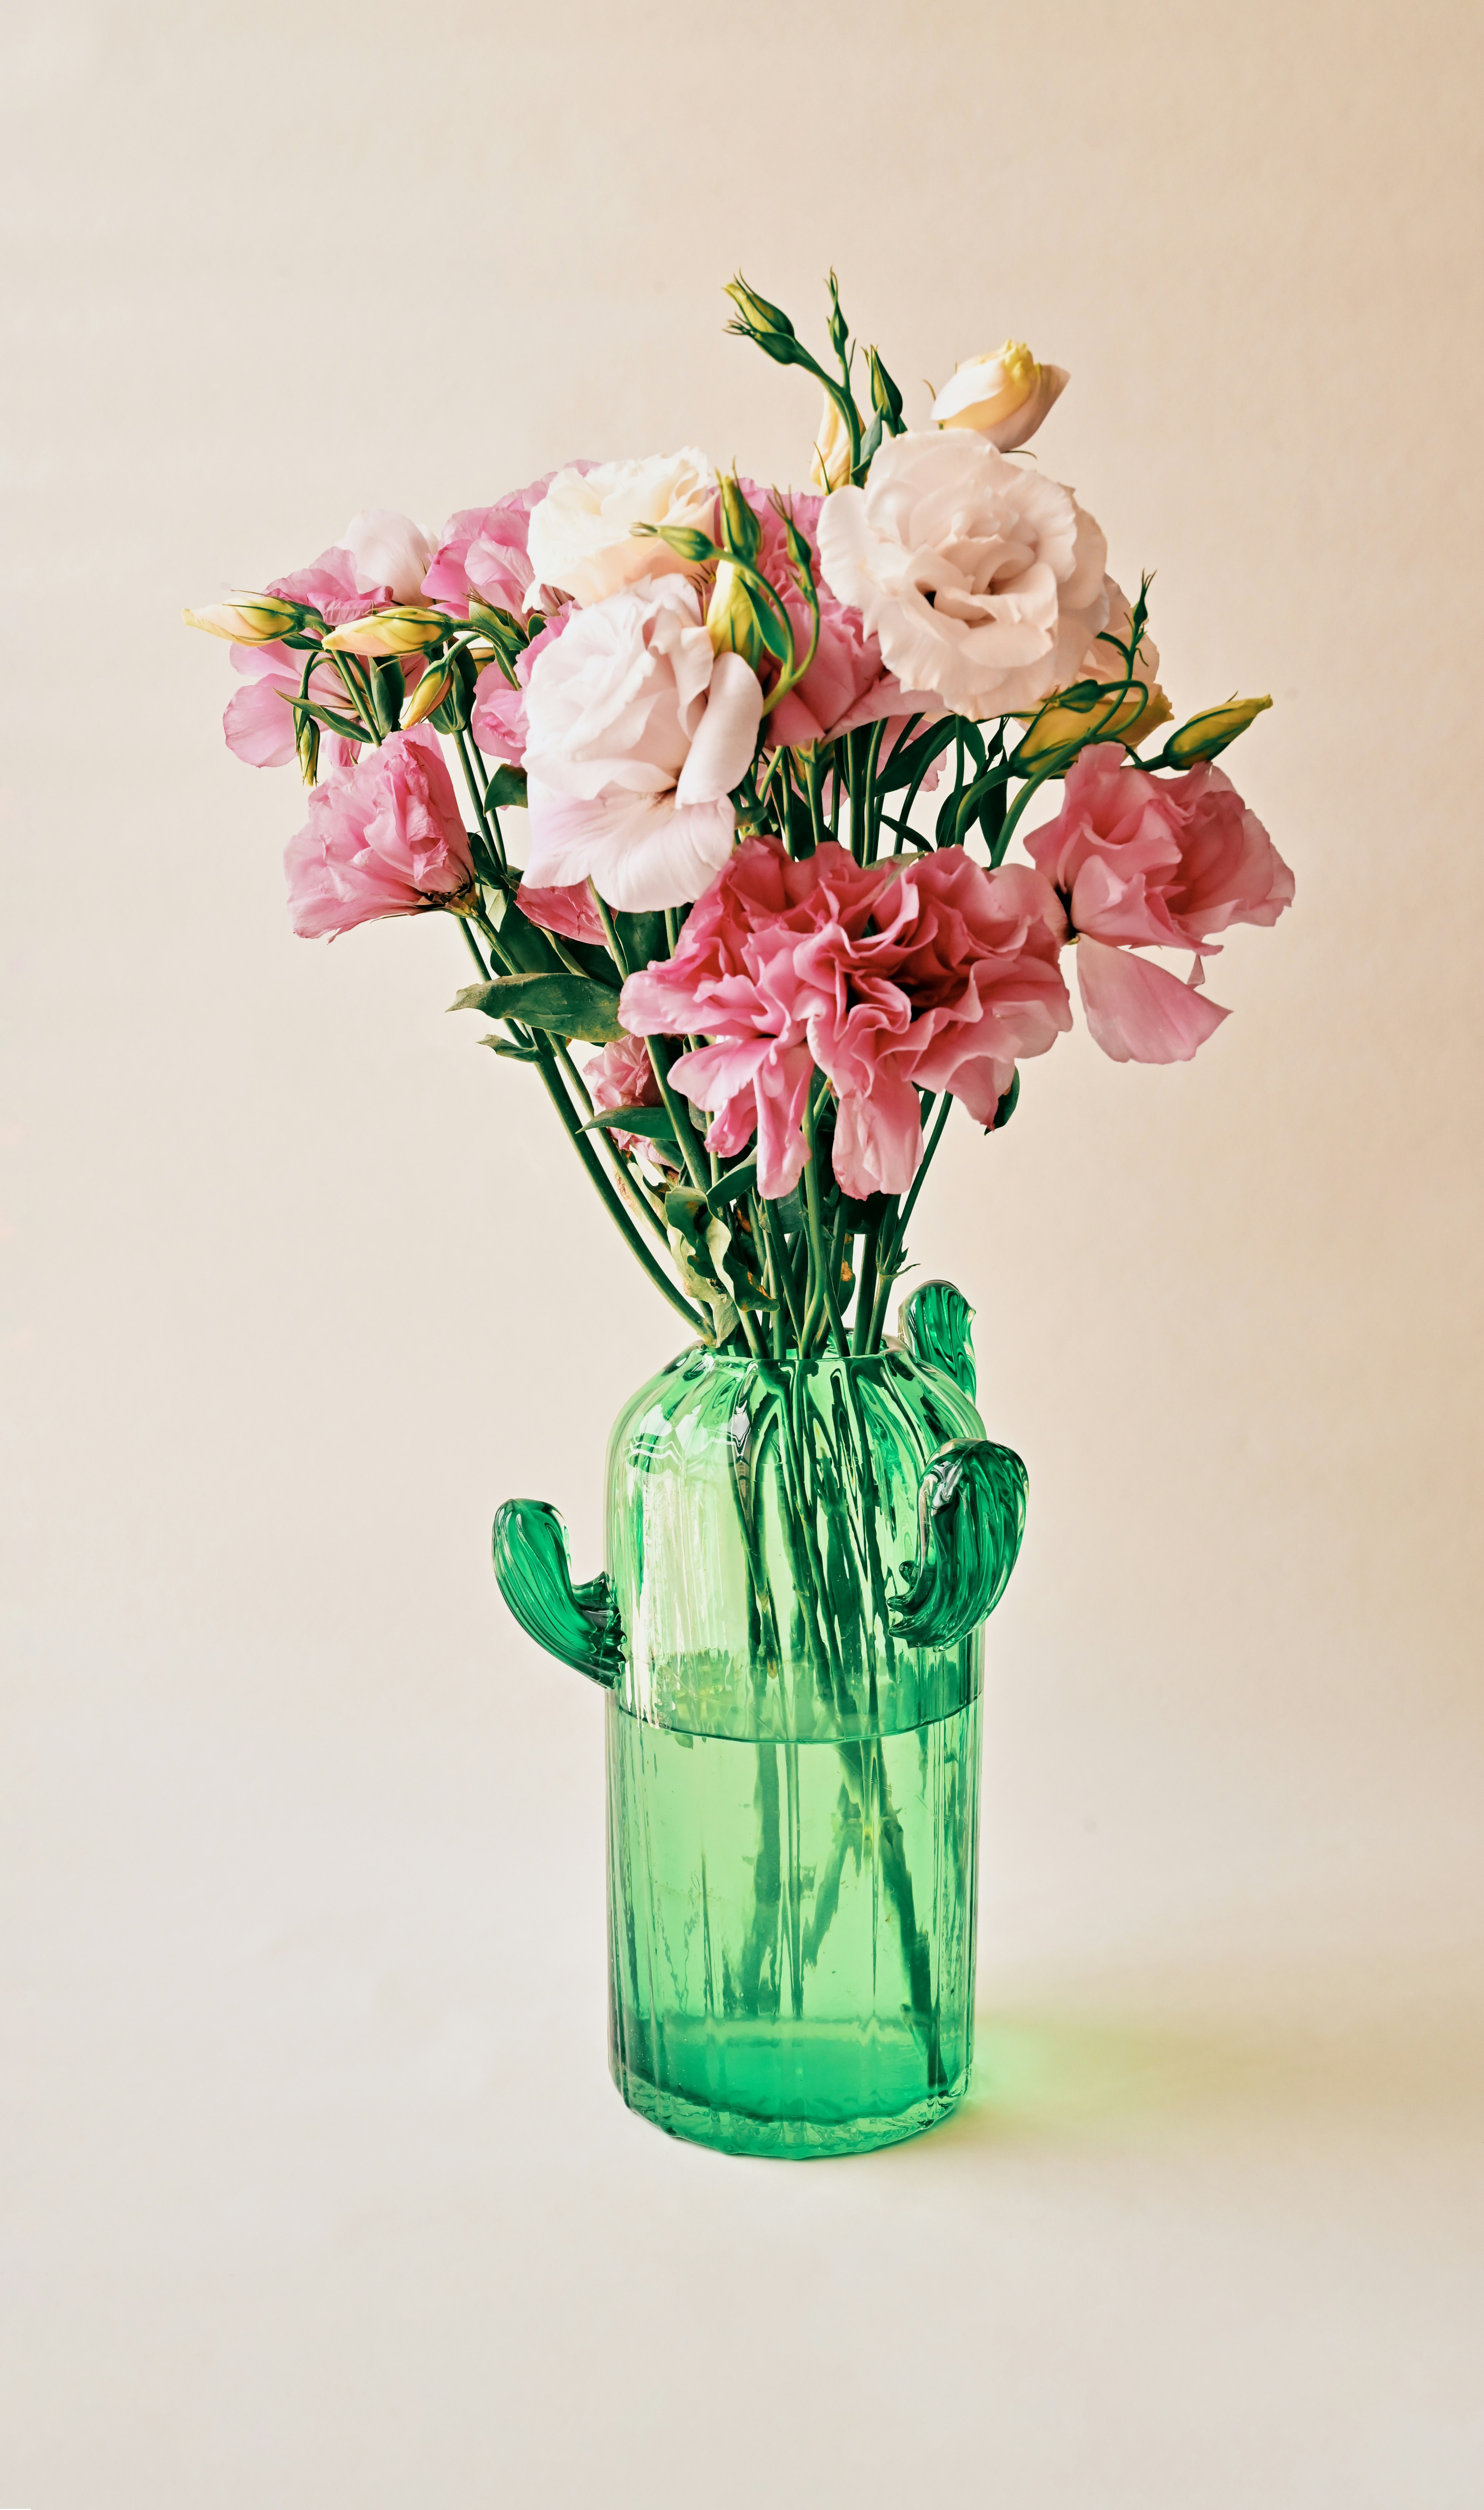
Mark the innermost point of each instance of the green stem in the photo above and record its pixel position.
(583, 1145)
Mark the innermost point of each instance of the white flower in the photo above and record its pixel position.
(581, 538)
(982, 581)
(387, 548)
(638, 733)
(1003, 395)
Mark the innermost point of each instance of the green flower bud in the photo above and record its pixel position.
(767, 324)
(307, 738)
(741, 532)
(1206, 734)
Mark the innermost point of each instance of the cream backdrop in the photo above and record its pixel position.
(314, 2186)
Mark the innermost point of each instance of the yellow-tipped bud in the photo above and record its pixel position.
(732, 618)
(429, 692)
(248, 618)
(1079, 716)
(1206, 734)
(403, 630)
(307, 741)
(832, 464)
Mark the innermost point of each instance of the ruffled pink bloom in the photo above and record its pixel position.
(258, 722)
(847, 684)
(568, 912)
(932, 974)
(258, 725)
(1160, 861)
(623, 1075)
(386, 838)
(483, 552)
(499, 719)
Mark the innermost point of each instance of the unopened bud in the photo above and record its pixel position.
(1206, 734)
(734, 619)
(248, 618)
(1082, 713)
(768, 325)
(429, 692)
(697, 548)
(832, 464)
(306, 740)
(741, 532)
(886, 399)
(403, 630)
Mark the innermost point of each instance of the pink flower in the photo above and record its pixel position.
(847, 684)
(329, 584)
(623, 1075)
(568, 912)
(258, 722)
(387, 548)
(1161, 862)
(638, 733)
(932, 974)
(499, 719)
(483, 551)
(386, 838)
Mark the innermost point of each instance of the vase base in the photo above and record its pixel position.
(830, 2119)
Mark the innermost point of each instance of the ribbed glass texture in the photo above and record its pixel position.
(792, 1792)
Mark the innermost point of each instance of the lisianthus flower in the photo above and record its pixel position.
(1161, 862)
(623, 1075)
(1003, 395)
(497, 720)
(580, 536)
(385, 837)
(932, 974)
(388, 550)
(983, 580)
(483, 552)
(847, 684)
(568, 912)
(638, 734)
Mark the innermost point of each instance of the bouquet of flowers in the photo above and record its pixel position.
(764, 756)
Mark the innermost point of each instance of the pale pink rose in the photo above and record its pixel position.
(568, 912)
(1161, 862)
(847, 684)
(498, 721)
(638, 733)
(483, 552)
(932, 974)
(388, 550)
(623, 1075)
(385, 838)
(983, 580)
(580, 536)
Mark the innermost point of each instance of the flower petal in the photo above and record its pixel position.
(1136, 1011)
(721, 752)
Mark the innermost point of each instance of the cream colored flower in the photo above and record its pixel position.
(832, 464)
(1004, 396)
(983, 580)
(581, 539)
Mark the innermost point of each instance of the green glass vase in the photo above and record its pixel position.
(801, 1554)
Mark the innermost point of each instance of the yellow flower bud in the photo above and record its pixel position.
(1206, 734)
(1003, 394)
(1076, 717)
(832, 464)
(248, 618)
(402, 629)
(307, 742)
(429, 692)
(732, 617)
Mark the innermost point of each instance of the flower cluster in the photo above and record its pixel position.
(744, 769)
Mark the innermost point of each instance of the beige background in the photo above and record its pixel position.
(314, 2188)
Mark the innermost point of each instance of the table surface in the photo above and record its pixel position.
(315, 2189)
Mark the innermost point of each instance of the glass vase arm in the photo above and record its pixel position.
(935, 1322)
(971, 1513)
(579, 1625)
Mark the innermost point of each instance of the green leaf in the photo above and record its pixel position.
(652, 1122)
(731, 1188)
(507, 789)
(340, 723)
(507, 1046)
(566, 1006)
